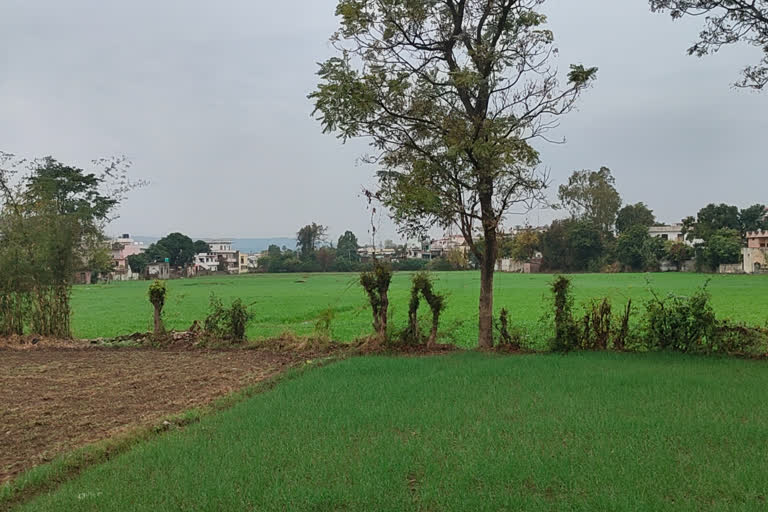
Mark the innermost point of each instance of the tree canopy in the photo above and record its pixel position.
(450, 93)
(727, 22)
(592, 196)
(309, 238)
(637, 214)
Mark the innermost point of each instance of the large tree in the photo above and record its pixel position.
(309, 238)
(450, 94)
(754, 218)
(727, 22)
(634, 215)
(592, 196)
(712, 218)
(180, 249)
(51, 226)
(347, 246)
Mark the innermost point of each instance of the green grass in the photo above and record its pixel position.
(587, 431)
(294, 301)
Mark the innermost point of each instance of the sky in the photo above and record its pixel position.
(209, 102)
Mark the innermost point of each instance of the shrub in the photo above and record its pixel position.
(323, 323)
(376, 286)
(508, 338)
(227, 323)
(566, 330)
(684, 324)
(596, 332)
(423, 286)
(157, 295)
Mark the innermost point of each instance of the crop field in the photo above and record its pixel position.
(294, 302)
(466, 431)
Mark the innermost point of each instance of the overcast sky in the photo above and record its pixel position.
(208, 99)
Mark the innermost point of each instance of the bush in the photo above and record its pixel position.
(376, 286)
(508, 338)
(157, 296)
(423, 286)
(684, 324)
(566, 330)
(227, 323)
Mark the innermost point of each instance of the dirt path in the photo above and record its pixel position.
(56, 399)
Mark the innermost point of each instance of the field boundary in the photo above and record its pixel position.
(69, 465)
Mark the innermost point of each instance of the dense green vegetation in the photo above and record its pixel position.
(293, 302)
(589, 431)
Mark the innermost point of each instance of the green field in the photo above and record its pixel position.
(469, 431)
(292, 302)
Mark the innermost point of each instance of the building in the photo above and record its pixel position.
(120, 249)
(755, 254)
(222, 257)
(673, 233)
(160, 270)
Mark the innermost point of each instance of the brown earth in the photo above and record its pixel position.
(56, 396)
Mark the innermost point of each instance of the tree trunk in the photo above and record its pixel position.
(159, 328)
(487, 267)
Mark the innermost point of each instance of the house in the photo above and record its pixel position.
(367, 253)
(532, 266)
(221, 257)
(120, 249)
(160, 270)
(755, 254)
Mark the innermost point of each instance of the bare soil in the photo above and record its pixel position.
(56, 396)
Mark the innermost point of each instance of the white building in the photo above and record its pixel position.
(221, 253)
(673, 233)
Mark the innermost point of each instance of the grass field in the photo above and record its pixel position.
(469, 431)
(293, 302)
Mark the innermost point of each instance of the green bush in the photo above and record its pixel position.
(683, 324)
(227, 323)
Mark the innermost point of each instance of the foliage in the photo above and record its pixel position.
(201, 247)
(684, 324)
(138, 262)
(347, 246)
(376, 285)
(592, 196)
(710, 219)
(678, 253)
(323, 323)
(637, 250)
(227, 323)
(51, 226)
(754, 218)
(157, 296)
(177, 247)
(449, 95)
(727, 22)
(525, 245)
(566, 330)
(508, 336)
(724, 246)
(637, 214)
(572, 245)
(423, 286)
(309, 238)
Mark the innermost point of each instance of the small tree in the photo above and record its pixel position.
(376, 286)
(450, 94)
(157, 294)
(592, 196)
(423, 286)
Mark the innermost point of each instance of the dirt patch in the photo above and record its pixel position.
(56, 396)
